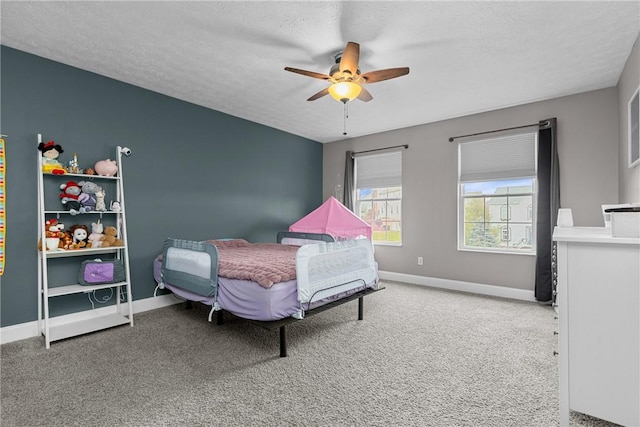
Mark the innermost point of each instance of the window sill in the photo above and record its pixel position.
(496, 251)
(387, 244)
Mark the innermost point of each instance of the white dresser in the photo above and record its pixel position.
(599, 324)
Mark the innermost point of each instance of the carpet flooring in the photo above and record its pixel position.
(420, 357)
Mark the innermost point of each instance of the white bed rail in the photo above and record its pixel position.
(324, 271)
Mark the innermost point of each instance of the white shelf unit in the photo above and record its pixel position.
(123, 311)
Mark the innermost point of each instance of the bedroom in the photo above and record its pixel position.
(198, 173)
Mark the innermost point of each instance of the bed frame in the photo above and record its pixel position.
(337, 272)
(282, 324)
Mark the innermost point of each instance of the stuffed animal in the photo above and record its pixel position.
(87, 197)
(69, 197)
(110, 237)
(80, 235)
(66, 241)
(106, 167)
(52, 233)
(101, 206)
(95, 238)
(50, 152)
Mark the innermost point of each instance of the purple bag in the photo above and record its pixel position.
(97, 272)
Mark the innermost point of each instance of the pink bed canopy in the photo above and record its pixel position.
(335, 219)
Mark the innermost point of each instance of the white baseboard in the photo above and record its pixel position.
(456, 285)
(30, 329)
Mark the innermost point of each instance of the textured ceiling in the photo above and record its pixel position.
(465, 57)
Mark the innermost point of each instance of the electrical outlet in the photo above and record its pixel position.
(420, 260)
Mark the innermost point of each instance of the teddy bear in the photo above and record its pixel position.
(66, 241)
(110, 237)
(52, 230)
(95, 238)
(80, 234)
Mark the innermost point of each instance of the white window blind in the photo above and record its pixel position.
(379, 170)
(512, 156)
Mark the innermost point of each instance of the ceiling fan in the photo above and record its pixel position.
(346, 79)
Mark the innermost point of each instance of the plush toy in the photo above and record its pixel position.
(87, 197)
(69, 197)
(110, 237)
(50, 152)
(101, 206)
(66, 241)
(89, 171)
(80, 235)
(95, 238)
(52, 233)
(106, 167)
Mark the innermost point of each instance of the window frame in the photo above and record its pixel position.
(386, 200)
(461, 246)
(377, 184)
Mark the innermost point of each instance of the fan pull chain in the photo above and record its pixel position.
(346, 116)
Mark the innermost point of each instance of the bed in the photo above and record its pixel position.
(270, 284)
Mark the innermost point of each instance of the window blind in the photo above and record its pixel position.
(505, 157)
(379, 170)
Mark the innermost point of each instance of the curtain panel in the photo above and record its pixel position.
(548, 177)
(349, 179)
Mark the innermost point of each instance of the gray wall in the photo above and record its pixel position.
(194, 173)
(629, 82)
(588, 151)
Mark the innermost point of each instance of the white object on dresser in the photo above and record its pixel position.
(599, 324)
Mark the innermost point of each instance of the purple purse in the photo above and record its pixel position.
(97, 272)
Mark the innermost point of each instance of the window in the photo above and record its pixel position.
(379, 195)
(497, 189)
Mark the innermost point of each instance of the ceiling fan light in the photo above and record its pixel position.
(344, 91)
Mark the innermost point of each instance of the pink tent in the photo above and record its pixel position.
(335, 219)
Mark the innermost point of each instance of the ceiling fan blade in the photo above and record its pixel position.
(320, 94)
(364, 95)
(308, 73)
(389, 73)
(350, 58)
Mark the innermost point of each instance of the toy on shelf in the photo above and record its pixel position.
(74, 166)
(80, 235)
(52, 233)
(88, 197)
(106, 167)
(100, 204)
(115, 206)
(95, 238)
(69, 197)
(50, 153)
(110, 238)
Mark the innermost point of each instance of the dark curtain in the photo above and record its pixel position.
(548, 204)
(349, 180)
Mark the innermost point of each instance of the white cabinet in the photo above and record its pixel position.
(50, 288)
(599, 324)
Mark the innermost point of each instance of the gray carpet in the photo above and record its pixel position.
(421, 357)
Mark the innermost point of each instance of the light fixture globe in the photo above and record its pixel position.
(344, 91)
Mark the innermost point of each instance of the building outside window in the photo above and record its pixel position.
(497, 194)
(379, 195)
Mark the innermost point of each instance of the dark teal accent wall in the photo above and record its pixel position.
(195, 173)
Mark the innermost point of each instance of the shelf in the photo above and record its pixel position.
(81, 175)
(78, 289)
(80, 252)
(68, 330)
(80, 214)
